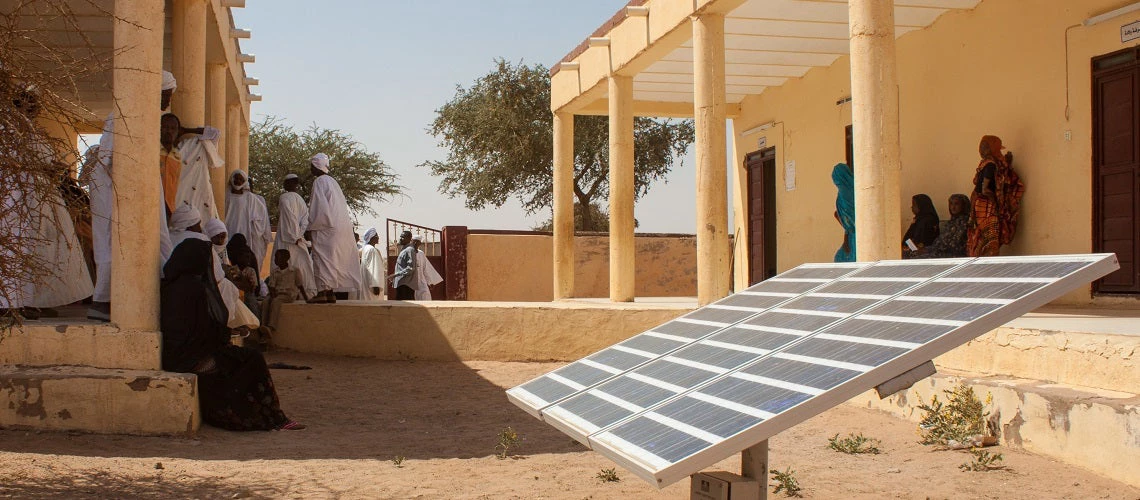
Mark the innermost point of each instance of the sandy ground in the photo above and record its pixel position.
(444, 418)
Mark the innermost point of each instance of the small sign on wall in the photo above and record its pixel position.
(1129, 32)
(789, 175)
(762, 142)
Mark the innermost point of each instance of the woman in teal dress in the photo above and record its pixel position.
(844, 178)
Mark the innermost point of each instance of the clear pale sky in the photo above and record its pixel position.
(378, 69)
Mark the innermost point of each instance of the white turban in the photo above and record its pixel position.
(290, 177)
(245, 179)
(214, 227)
(184, 217)
(418, 238)
(369, 234)
(321, 162)
(168, 81)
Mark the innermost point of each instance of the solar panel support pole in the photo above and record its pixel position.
(754, 465)
(906, 380)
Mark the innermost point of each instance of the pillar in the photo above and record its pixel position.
(136, 84)
(233, 145)
(622, 249)
(243, 147)
(754, 465)
(563, 205)
(64, 140)
(875, 121)
(713, 269)
(189, 49)
(216, 116)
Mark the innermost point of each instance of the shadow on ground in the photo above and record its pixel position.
(355, 408)
(102, 484)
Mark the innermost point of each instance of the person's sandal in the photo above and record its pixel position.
(291, 425)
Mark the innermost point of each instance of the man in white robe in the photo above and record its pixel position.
(373, 268)
(246, 214)
(102, 197)
(426, 275)
(336, 264)
(198, 149)
(292, 222)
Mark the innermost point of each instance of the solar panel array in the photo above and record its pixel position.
(686, 394)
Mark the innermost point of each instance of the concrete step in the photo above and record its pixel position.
(79, 342)
(105, 401)
(1086, 427)
(1087, 350)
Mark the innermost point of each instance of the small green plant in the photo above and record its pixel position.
(855, 444)
(982, 461)
(786, 482)
(398, 461)
(961, 419)
(608, 476)
(508, 440)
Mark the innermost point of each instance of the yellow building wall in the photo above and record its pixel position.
(520, 268)
(999, 69)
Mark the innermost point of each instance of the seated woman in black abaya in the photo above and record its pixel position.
(924, 230)
(235, 390)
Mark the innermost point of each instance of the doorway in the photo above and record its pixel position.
(761, 168)
(1116, 167)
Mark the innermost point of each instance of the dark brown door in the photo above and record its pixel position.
(1116, 167)
(761, 167)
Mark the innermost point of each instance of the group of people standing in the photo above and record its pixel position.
(979, 224)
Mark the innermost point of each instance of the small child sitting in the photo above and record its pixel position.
(285, 286)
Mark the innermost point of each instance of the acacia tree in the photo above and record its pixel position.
(498, 134)
(277, 149)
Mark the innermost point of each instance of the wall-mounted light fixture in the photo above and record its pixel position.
(1135, 6)
(759, 128)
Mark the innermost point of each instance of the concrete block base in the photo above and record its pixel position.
(104, 401)
(1095, 429)
(80, 343)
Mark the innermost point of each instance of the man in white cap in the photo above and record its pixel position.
(246, 214)
(292, 222)
(373, 268)
(186, 223)
(196, 152)
(404, 276)
(102, 208)
(426, 275)
(336, 265)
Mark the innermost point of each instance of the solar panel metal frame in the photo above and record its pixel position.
(1096, 266)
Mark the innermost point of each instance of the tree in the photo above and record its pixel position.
(277, 149)
(498, 134)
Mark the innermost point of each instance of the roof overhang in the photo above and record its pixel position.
(767, 43)
(86, 37)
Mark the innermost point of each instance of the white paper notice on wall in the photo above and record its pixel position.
(762, 142)
(1129, 32)
(789, 175)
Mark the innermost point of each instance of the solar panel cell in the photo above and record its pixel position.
(721, 315)
(846, 352)
(933, 310)
(821, 377)
(884, 330)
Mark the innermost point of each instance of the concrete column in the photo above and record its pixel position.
(622, 250)
(875, 121)
(563, 205)
(233, 145)
(216, 75)
(243, 148)
(136, 84)
(713, 270)
(64, 140)
(189, 49)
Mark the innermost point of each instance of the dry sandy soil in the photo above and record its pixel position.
(444, 418)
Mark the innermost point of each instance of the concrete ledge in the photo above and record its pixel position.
(80, 343)
(1094, 429)
(461, 331)
(99, 400)
(1088, 352)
